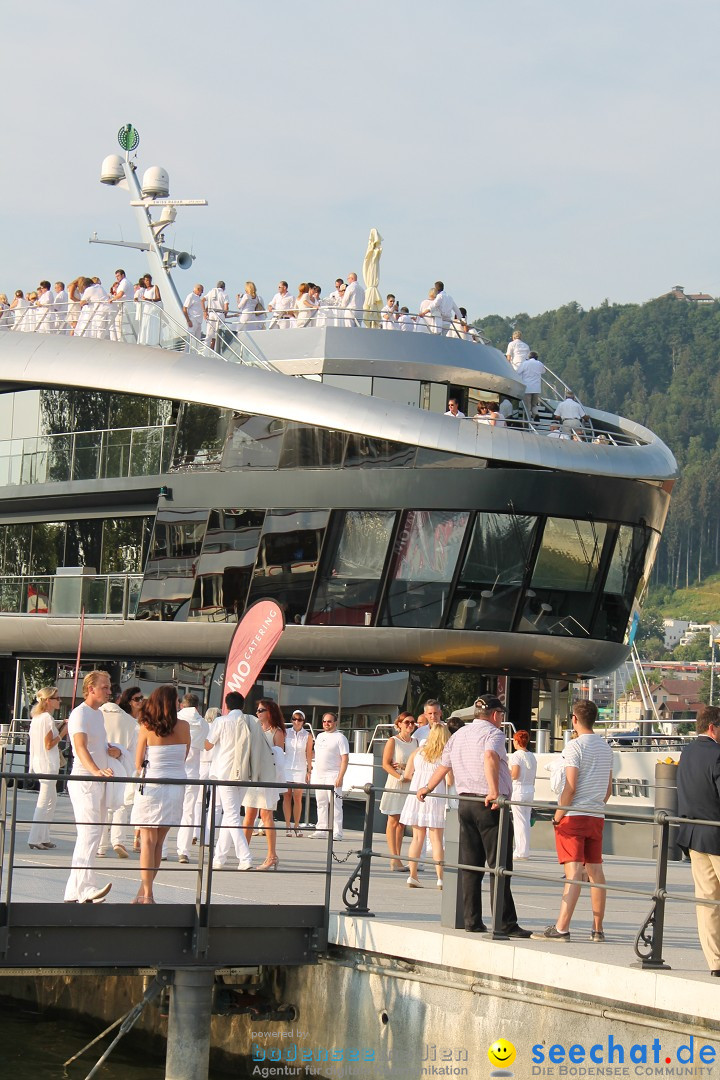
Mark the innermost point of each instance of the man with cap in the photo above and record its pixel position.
(478, 758)
(298, 766)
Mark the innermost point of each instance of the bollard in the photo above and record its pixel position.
(666, 798)
(188, 1039)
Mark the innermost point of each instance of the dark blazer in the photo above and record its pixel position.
(698, 783)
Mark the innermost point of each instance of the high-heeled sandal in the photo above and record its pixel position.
(136, 843)
(270, 863)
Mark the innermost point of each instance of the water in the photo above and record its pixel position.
(35, 1043)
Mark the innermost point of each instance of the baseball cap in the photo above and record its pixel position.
(486, 702)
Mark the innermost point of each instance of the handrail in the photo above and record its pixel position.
(330, 313)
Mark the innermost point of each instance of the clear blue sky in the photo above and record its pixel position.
(527, 154)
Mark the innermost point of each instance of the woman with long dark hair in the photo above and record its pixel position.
(264, 799)
(163, 745)
(130, 701)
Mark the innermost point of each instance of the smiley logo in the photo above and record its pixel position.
(501, 1053)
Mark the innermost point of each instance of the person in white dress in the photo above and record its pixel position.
(199, 730)
(523, 770)
(150, 321)
(307, 304)
(332, 754)
(429, 815)
(298, 766)
(396, 754)
(92, 756)
(281, 308)
(353, 302)
(194, 312)
(162, 747)
(251, 308)
(18, 307)
(60, 322)
(75, 291)
(45, 734)
(428, 322)
(273, 727)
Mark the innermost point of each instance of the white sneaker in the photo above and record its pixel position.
(244, 866)
(218, 865)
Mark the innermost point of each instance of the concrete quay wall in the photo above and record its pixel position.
(408, 1019)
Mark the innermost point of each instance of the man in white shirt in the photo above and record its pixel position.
(453, 409)
(517, 350)
(405, 321)
(555, 432)
(44, 303)
(444, 307)
(221, 739)
(199, 730)
(432, 715)
(122, 296)
(353, 302)
(389, 314)
(194, 311)
(531, 372)
(579, 821)
(281, 306)
(570, 413)
(60, 309)
(332, 754)
(91, 758)
(216, 309)
(95, 299)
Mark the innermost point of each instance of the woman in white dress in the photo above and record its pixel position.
(396, 754)
(5, 316)
(75, 291)
(163, 745)
(130, 701)
(298, 766)
(429, 814)
(251, 308)
(19, 308)
(264, 799)
(523, 770)
(45, 735)
(150, 322)
(427, 323)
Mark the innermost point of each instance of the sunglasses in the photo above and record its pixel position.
(137, 697)
(261, 710)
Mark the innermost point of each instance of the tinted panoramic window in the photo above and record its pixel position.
(348, 587)
(226, 563)
(561, 596)
(201, 434)
(253, 441)
(306, 447)
(624, 579)
(492, 575)
(170, 571)
(424, 559)
(287, 559)
(366, 452)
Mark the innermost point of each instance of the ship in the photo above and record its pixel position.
(152, 492)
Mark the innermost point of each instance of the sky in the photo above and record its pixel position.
(529, 155)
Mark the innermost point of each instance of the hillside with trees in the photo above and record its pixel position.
(658, 364)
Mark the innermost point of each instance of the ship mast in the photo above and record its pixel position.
(148, 197)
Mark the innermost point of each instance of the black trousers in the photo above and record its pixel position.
(479, 827)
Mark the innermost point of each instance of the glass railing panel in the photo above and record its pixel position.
(133, 595)
(116, 453)
(146, 452)
(87, 455)
(10, 597)
(116, 596)
(59, 460)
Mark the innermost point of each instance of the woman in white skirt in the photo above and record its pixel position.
(298, 766)
(45, 735)
(396, 754)
(429, 814)
(163, 745)
(523, 770)
(265, 799)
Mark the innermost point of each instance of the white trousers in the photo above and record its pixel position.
(88, 803)
(521, 822)
(195, 329)
(191, 801)
(231, 834)
(44, 812)
(322, 799)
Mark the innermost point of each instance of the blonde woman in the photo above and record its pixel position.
(251, 307)
(431, 813)
(45, 735)
(5, 316)
(426, 322)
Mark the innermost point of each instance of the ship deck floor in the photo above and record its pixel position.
(406, 922)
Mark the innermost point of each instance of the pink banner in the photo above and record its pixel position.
(255, 637)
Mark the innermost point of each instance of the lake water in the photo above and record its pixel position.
(35, 1044)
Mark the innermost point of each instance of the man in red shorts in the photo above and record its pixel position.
(579, 821)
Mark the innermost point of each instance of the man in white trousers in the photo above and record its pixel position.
(194, 312)
(222, 740)
(121, 730)
(332, 754)
(92, 755)
(199, 730)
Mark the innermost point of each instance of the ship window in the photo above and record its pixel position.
(170, 572)
(306, 447)
(253, 441)
(401, 391)
(426, 551)
(17, 549)
(359, 384)
(86, 459)
(124, 545)
(561, 597)
(83, 543)
(48, 547)
(200, 435)
(226, 563)
(427, 458)
(624, 579)
(347, 592)
(287, 559)
(492, 575)
(364, 451)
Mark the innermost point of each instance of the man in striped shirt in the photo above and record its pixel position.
(579, 821)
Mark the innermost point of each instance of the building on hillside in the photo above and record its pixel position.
(673, 631)
(711, 629)
(678, 293)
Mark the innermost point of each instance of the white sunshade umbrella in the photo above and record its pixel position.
(371, 278)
